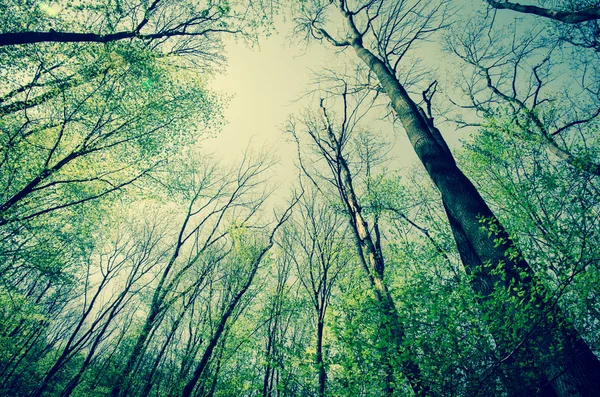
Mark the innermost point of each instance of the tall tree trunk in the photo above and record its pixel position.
(136, 354)
(319, 359)
(267, 379)
(154, 316)
(150, 376)
(574, 369)
(215, 378)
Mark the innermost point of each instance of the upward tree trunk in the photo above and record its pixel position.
(574, 369)
(319, 358)
(267, 379)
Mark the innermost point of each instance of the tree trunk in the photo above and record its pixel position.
(369, 253)
(267, 382)
(574, 369)
(319, 359)
(136, 354)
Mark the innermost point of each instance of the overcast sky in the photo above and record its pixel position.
(265, 83)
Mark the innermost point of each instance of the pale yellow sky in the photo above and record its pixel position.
(265, 82)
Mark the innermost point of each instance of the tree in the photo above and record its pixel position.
(380, 34)
(571, 22)
(520, 77)
(210, 197)
(133, 264)
(129, 260)
(255, 260)
(86, 140)
(551, 207)
(74, 320)
(315, 245)
(331, 141)
(279, 318)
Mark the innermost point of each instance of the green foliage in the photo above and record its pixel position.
(128, 258)
(551, 208)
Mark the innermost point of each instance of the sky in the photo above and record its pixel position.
(264, 84)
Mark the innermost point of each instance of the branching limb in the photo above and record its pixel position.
(570, 17)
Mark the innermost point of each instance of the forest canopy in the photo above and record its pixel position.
(137, 259)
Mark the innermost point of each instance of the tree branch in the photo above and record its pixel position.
(51, 36)
(570, 17)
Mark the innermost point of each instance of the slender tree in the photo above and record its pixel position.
(210, 198)
(331, 142)
(316, 247)
(255, 257)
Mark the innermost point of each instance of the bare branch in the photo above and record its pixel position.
(570, 17)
